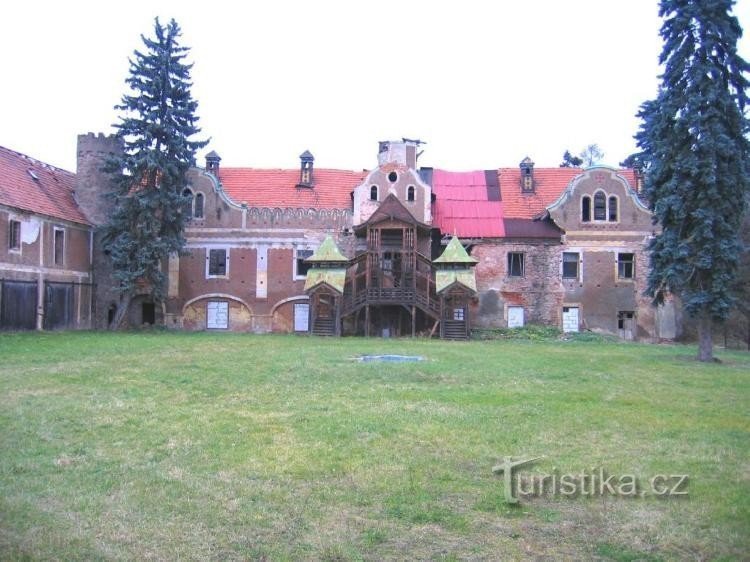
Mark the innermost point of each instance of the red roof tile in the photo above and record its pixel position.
(461, 206)
(549, 183)
(278, 188)
(49, 191)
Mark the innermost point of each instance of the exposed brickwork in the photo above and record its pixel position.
(261, 236)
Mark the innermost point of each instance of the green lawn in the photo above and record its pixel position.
(229, 446)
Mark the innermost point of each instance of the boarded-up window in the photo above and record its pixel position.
(515, 317)
(59, 249)
(515, 264)
(217, 315)
(570, 319)
(217, 262)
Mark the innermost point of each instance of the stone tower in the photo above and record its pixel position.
(92, 188)
(92, 184)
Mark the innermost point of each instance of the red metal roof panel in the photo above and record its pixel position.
(461, 206)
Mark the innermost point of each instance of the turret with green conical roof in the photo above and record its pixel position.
(453, 266)
(328, 267)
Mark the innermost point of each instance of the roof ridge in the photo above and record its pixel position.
(36, 162)
(296, 170)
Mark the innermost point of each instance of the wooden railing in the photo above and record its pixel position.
(393, 296)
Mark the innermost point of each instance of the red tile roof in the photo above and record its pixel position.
(49, 191)
(461, 206)
(278, 188)
(549, 183)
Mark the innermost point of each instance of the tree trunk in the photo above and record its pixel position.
(122, 309)
(705, 341)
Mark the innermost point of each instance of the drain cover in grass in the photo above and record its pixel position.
(391, 358)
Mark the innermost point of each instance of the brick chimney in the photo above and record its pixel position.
(402, 152)
(212, 163)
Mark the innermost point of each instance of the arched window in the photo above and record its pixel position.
(612, 209)
(586, 209)
(374, 193)
(600, 206)
(410, 193)
(188, 203)
(198, 212)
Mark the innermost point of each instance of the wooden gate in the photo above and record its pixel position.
(59, 305)
(18, 305)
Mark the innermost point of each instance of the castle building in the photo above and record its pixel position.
(395, 251)
(45, 247)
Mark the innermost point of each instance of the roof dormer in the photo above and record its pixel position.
(527, 175)
(306, 160)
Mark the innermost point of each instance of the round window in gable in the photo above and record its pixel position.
(393, 177)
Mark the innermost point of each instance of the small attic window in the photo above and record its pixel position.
(410, 193)
(374, 193)
(33, 175)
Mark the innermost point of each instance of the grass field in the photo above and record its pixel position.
(228, 446)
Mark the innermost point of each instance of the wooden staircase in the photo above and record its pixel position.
(324, 327)
(454, 330)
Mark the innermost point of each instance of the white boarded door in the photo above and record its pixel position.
(515, 317)
(301, 317)
(570, 319)
(217, 315)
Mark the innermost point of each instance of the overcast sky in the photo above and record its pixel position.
(483, 83)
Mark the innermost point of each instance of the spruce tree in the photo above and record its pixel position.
(693, 144)
(155, 127)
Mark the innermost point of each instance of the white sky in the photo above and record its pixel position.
(483, 83)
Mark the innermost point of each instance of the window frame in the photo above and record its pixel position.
(616, 200)
(603, 209)
(296, 274)
(586, 212)
(411, 194)
(225, 275)
(623, 315)
(196, 197)
(376, 190)
(188, 207)
(58, 258)
(14, 236)
(578, 266)
(622, 264)
(509, 264)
